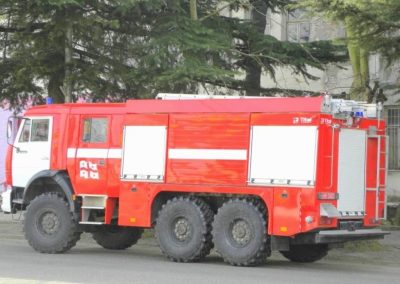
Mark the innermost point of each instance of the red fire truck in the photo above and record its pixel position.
(246, 176)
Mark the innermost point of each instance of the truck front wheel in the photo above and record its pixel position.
(305, 253)
(49, 225)
(240, 232)
(183, 229)
(117, 238)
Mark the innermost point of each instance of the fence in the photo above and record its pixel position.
(392, 116)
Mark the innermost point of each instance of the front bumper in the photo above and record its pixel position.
(338, 236)
(6, 199)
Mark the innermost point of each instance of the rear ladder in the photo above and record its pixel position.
(381, 188)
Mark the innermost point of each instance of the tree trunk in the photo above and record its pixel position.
(68, 60)
(359, 63)
(253, 79)
(253, 68)
(193, 10)
(54, 88)
(6, 36)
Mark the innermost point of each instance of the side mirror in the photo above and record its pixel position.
(12, 128)
(9, 129)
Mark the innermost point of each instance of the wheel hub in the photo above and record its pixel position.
(49, 223)
(182, 229)
(241, 232)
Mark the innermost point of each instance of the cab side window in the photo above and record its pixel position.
(95, 130)
(40, 130)
(26, 131)
(35, 130)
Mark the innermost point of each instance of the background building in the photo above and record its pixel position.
(336, 79)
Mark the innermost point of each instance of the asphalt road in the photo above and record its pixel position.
(143, 263)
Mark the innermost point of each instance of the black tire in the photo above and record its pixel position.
(240, 232)
(49, 226)
(183, 229)
(305, 253)
(117, 238)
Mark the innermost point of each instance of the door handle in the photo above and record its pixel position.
(19, 151)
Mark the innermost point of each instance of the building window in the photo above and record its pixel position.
(298, 26)
(392, 114)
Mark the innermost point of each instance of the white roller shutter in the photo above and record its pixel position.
(144, 153)
(283, 155)
(351, 172)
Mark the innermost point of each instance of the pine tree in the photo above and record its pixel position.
(136, 49)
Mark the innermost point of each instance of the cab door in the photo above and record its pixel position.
(91, 155)
(32, 149)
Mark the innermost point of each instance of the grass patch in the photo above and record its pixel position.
(388, 225)
(393, 198)
(363, 246)
(396, 219)
(148, 233)
(393, 215)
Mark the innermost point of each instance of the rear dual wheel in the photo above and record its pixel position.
(239, 232)
(183, 229)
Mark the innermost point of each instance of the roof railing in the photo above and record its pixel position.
(340, 108)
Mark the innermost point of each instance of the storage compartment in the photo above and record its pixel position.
(283, 155)
(144, 153)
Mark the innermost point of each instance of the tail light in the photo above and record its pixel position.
(324, 221)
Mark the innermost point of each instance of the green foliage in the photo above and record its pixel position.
(375, 22)
(371, 26)
(378, 25)
(137, 48)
